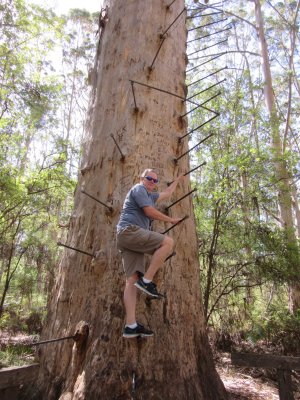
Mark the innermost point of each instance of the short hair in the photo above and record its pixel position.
(146, 172)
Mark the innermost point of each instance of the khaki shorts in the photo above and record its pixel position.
(133, 242)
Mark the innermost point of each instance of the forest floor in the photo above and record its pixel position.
(240, 383)
(250, 383)
(243, 384)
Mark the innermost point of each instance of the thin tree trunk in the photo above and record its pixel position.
(211, 262)
(281, 169)
(248, 251)
(177, 363)
(9, 270)
(296, 208)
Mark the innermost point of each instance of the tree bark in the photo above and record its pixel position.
(177, 362)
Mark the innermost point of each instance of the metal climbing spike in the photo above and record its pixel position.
(208, 88)
(134, 99)
(207, 76)
(177, 201)
(211, 34)
(52, 340)
(99, 201)
(195, 129)
(210, 23)
(196, 145)
(118, 147)
(177, 223)
(76, 249)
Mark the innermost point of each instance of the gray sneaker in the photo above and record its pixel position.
(140, 330)
(149, 288)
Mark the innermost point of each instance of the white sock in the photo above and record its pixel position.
(132, 326)
(146, 280)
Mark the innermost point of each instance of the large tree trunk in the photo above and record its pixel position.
(281, 169)
(177, 362)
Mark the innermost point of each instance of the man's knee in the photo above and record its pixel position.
(132, 279)
(168, 241)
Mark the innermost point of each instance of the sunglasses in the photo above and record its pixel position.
(150, 179)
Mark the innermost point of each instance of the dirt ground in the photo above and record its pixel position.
(250, 383)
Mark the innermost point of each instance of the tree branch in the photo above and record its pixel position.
(280, 15)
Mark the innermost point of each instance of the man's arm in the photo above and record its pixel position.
(165, 194)
(153, 213)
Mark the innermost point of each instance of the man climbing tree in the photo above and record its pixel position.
(134, 121)
(135, 239)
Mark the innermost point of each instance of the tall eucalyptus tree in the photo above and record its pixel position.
(145, 123)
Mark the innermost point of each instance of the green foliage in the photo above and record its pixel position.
(244, 247)
(41, 120)
(12, 322)
(274, 323)
(283, 329)
(278, 259)
(18, 316)
(27, 93)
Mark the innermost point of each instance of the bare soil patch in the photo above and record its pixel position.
(250, 383)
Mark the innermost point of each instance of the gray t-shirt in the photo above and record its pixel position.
(132, 212)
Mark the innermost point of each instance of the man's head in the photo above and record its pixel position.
(149, 179)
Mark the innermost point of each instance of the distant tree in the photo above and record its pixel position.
(279, 145)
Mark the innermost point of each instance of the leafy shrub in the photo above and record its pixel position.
(11, 321)
(34, 323)
(283, 329)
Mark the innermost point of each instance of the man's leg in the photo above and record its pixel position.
(159, 257)
(130, 292)
(132, 328)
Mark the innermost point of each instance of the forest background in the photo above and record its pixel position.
(248, 248)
